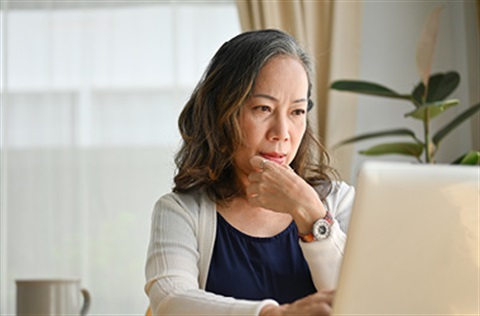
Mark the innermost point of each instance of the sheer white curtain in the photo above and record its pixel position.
(90, 98)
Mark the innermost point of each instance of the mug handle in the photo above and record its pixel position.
(86, 302)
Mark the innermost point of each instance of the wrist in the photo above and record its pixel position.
(273, 310)
(320, 230)
(305, 217)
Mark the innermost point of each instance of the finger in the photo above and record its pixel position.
(252, 190)
(326, 309)
(256, 162)
(328, 295)
(260, 163)
(253, 200)
(331, 292)
(328, 292)
(254, 176)
(252, 197)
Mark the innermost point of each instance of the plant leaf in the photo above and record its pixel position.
(455, 122)
(470, 158)
(409, 149)
(393, 132)
(418, 94)
(369, 88)
(441, 85)
(426, 45)
(434, 109)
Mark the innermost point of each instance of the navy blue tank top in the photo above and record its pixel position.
(256, 268)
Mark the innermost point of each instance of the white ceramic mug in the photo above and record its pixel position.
(51, 297)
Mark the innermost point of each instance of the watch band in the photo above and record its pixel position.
(310, 236)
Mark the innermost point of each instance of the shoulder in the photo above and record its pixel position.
(341, 196)
(185, 200)
(340, 191)
(184, 204)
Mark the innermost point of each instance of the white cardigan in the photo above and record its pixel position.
(181, 246)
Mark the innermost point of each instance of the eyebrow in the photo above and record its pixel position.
(266, 96)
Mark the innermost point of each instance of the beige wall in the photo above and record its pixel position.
(388, 39)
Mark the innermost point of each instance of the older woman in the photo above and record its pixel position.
(255, 224)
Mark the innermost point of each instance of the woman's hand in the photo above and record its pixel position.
(279, 188)
(317, 304)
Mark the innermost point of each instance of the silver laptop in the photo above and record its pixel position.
(413, 242)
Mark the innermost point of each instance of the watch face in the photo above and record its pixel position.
(321, 229)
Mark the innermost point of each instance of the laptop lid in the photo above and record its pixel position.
(413, 242)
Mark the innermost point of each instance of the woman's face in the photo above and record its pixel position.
(274, 118)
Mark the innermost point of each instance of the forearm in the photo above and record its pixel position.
(164, 301)
(324, 258)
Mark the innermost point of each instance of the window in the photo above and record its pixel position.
(90, 102)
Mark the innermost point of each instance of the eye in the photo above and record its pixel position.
(262, 108)
(299, 112)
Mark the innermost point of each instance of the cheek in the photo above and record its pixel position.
(297, 139)
(299, 132)
(246, 142)
(251, 132)
(251, 136)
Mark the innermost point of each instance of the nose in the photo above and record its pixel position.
(279, 130)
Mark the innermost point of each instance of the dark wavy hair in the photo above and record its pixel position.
(209, 121)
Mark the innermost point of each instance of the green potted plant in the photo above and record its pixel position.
(429, 100)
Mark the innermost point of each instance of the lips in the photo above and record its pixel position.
(275, 157)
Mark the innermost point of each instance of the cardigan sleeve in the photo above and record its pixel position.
(324, 257)
(172, 271)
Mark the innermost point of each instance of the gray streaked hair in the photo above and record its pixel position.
(209, 121)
